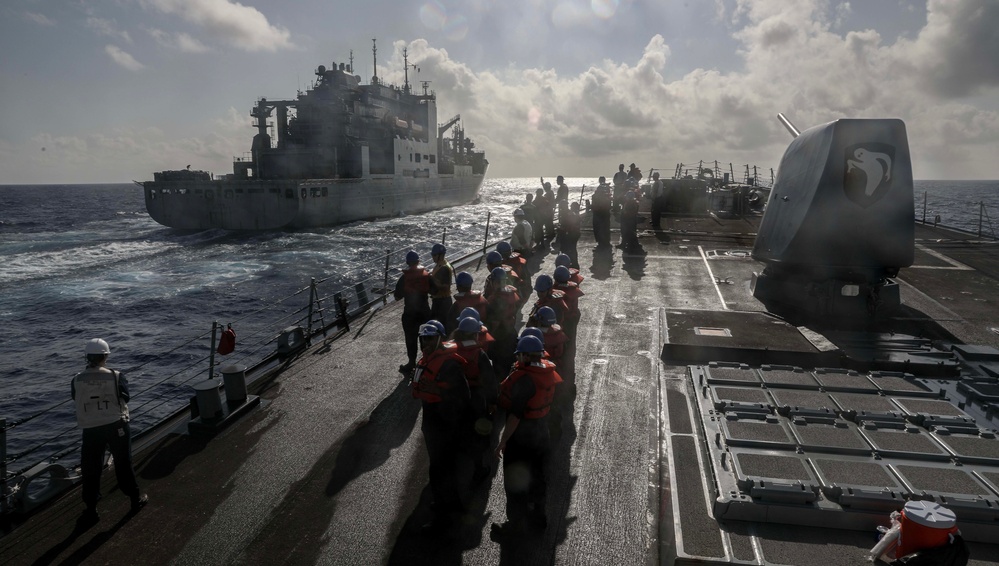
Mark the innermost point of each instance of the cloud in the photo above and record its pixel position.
(107, 28)
(40, 19)
(123, 58)
(242, 26)
(180, 41)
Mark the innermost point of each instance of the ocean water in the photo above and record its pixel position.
(84, 261)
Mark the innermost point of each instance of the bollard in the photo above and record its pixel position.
(362, 295)
(234, 380)
(209, 400)
(291, 340)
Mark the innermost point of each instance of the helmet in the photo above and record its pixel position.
(432, 328)
(469, 312)
(562, 274)
(532, 331)
(96, 346)
(629, 194)
(530, 345)
(438, 249)
(504, 248)
(497, 274)
(547, 316)
(543, 283)
(463, 279)
(412, 257)
(493, 258)
(563, 259)
(518, 212)
(470, 325)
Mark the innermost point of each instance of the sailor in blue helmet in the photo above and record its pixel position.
(526, 396)
(101, 397)
(443, 276)
(464, 298)
(522, 239)
(439, 382)
(413, 287)
(504, 313)
(518, 264)
(548, 296)
(484, 389)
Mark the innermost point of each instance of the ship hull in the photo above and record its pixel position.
(311, 203)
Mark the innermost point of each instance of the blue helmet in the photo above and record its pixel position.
(432, 328)
(530, 345)
(518, 212)
(563, 259)
(504, 247)
(543, 283)
(469, 312)
(532, 331)
(463, 279)
(497, 274)
(438, 249)
(494, 258)
(470, 325)
(412, 257)
(547, 316)
(562, 274)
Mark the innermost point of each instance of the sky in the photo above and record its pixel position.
(103, 91)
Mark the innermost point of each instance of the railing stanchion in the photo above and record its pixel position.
(924, 208)
(444, 237)
(981, 212)
(485, 240)
(211, 355)
(313, 295)
(385, 294)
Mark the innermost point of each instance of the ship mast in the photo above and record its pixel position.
(406, 66)
(374, 55)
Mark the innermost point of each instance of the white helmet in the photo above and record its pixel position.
(97, 346)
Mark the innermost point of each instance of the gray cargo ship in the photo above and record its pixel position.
(343, 151)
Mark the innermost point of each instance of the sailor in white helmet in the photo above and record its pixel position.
(101, 395)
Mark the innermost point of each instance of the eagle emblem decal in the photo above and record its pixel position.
(868, 172)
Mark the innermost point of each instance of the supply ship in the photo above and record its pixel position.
(750, 388)
(341, 151)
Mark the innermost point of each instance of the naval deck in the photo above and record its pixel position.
(702, 430)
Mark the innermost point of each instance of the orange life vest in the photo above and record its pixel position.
(472, 299)
(555, 340)
(545, 378)
(469, 350)
(425, 383)
(415, 280)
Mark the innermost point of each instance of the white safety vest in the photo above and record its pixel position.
(97, 401)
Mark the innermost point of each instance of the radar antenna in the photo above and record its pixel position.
(374, 55)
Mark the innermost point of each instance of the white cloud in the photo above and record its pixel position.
(242, 26)
(108, 28)
(123, 58)
(180, 41)
(40, 19)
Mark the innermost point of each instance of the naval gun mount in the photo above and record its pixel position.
(838, 225)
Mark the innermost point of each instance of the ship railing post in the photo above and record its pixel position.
(981, 212)
(312, 302)
(211, 355)
(3, 466)
(444, 237)
(924, 208)
(388, 254)
(485, 239)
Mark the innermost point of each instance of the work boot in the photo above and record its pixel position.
(88, 518)
(138, 502)
(407, 369)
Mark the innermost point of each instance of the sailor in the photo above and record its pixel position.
(562, 260)
(443, 275)
(484, 389)
(495, 259)
(658, 196)
(526, 395)
(519, 265)
(532, 215)
(562, 196)
(413, 286)
(465, 298)
(571, 294)
(629, 224)
(439, 382)
(554, 339)
(569, 232)
(545, 227)
(601, 206)
(548, 296)
(101, 397)
(504, 312)
(486, 340)
(619, 178)
(523, 234)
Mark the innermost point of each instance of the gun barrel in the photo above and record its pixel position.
(787, 124)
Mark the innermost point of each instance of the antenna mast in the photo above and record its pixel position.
(351, 69)
(374, 55)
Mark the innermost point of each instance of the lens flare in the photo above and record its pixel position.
(433, 15)
(604, 8)
(533, 118)
(456, 28)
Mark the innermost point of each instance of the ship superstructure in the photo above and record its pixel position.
(340, 151)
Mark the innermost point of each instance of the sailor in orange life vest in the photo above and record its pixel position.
(413, 286)
(443, 276)
(504, 312)
(494, 259)
(548, 296)
(439, 382)
(484, 390)
(518, 264)
(465, 298)
(101, 397)
(526, 395)
(562, 260)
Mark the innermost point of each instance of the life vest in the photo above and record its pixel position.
(472, 299)
(574, 276)
(443, 275)
(425, 383)
(503, 307)
(96, 397)
(516, 262)
(469, 350)
(555, 340)
(571, 298)
(545, 378)
(485, 338)
(554, 299)
(227, 342)
(415, 280)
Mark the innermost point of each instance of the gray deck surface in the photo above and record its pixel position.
(331, 468)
